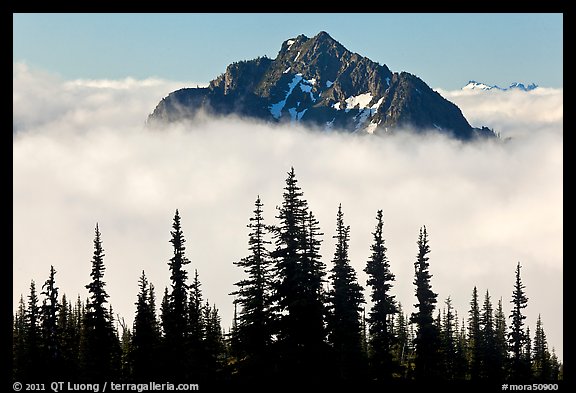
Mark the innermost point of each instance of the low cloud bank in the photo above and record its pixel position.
(82, 155)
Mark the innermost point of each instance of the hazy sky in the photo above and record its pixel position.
(445, 50)
(81, 156)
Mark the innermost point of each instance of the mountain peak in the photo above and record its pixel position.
(323, 36)
(317, 81)
(302, 48)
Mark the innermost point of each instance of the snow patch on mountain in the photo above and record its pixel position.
(362, 100)
(377, 104)
(367, 113)
(474, 85)
(276, 109)
(295, 115)
(371, 127)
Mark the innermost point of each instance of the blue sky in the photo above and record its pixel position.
(445, 50)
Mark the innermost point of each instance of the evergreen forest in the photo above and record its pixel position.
(299, 317)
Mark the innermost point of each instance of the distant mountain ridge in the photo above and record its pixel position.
(473, 85)
(318, 82)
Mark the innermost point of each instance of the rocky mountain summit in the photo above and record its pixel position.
(318, 82)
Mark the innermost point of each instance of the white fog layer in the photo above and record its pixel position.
(82, 156)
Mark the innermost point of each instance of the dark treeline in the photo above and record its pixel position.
(296, 319)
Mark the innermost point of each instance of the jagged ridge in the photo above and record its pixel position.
(318, 81)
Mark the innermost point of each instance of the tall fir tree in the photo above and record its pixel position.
(178, 328)
(542, 369)
(52, 358)
(254, 329)
(426, 341)
(196, 313)
(345, 300)
(461, 351)
(33, 337)
(402, 348)
(448, 339)
(235, 347)
(500, 355)
(213, 342)
(99, 354)
(488, 349)
(298, 295)
(145, 334)
(380, 280)
(69, 338)
(175, 315)
(313, 272)
(19, 352)
(517, 335)
(126, 365)
(165, 313)
(556, 367)
(364, 346)
(527, 355)
(79, 312)
(197, 351)
(474, 340)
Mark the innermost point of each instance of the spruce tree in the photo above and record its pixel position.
(345, 299)
(517, 335)
(254, 329)
(383, 305)
(426, 341)
(101, 348)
